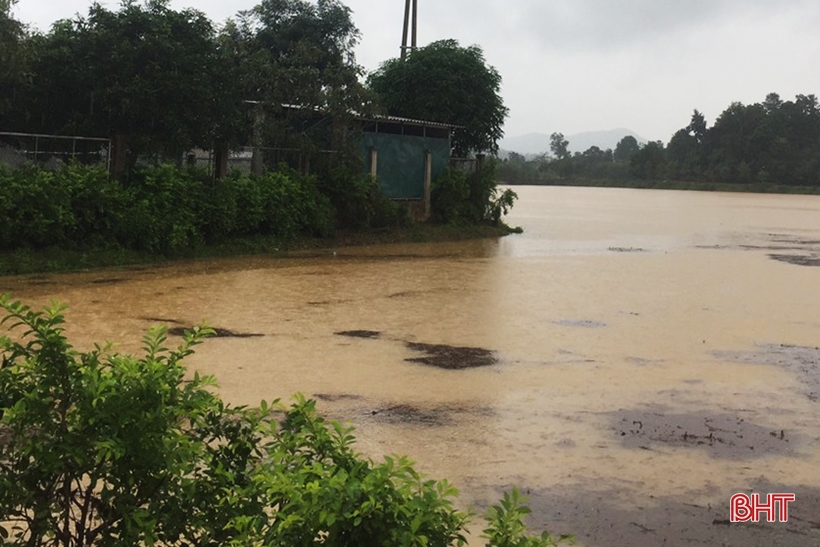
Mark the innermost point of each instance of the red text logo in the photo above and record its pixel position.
(750, 508)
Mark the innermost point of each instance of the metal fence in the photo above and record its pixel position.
(17, 149)
(266, 158)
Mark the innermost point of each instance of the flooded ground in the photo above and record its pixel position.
(630, 361)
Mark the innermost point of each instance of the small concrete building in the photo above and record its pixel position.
(405, 156)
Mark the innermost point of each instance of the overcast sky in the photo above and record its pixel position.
(589, 65)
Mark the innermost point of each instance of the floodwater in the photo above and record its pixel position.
(641, 355)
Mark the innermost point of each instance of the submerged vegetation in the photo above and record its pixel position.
(98, 448)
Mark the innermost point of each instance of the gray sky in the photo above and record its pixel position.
(588, 65)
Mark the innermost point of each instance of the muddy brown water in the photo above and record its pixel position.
(643, 355)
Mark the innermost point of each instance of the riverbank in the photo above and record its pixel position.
(55, 259)
(752, 188)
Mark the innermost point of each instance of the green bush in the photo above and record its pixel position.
(36, 208)
(449, 195)
(505, 525)
(102, 449)
(359, 202)
(459, 198)
(162, 210)
(163, 216)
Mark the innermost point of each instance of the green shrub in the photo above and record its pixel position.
(292, 205)
(37, 208)
(359, 201)
(162, 210)
(449, 195)
(103, 449)
(459, 198)
(505, 525)
(98, 203)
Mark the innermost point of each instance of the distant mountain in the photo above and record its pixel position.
(537, 143)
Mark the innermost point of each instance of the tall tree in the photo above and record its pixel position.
(649, 162)
(559, 146)
(445, 82)
(13, 66)
(626, 148)
(144, 73)
(294, 52)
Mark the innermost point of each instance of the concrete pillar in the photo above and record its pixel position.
(374, 162)
(428, 182)
(220, 159)
(119, 161)
(257, 159)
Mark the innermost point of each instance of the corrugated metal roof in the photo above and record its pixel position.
(380, 118)
(409, 121)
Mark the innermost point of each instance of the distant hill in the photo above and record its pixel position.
(537, 143)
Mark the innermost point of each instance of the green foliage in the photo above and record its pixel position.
(449, 195)
(294, 52)
(98, 448)
(764, 146)
(40, 208)
(165, 81)
(558, 146)
(626, 148)
(649, 162)
(13, 58)
(459, 198)
(445, 82)
(300, 53)
(148, 72)
(359, 202)
(505, 525)
(325, 493)
(163, 210)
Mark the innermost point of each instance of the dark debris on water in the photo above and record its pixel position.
(452, 357)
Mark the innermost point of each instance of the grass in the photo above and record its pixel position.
(54, 259)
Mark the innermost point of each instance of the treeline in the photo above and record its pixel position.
(774, 142)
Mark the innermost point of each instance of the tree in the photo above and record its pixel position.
(649, 162)
(144, 73)
(13, 65)
(447, 83)
(299, 53)
(683, 155)
(558, 145)
(626, 148)
(697, 127)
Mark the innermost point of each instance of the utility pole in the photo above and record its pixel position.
(410, 7)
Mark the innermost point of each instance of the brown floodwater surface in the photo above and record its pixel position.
(631, 360)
